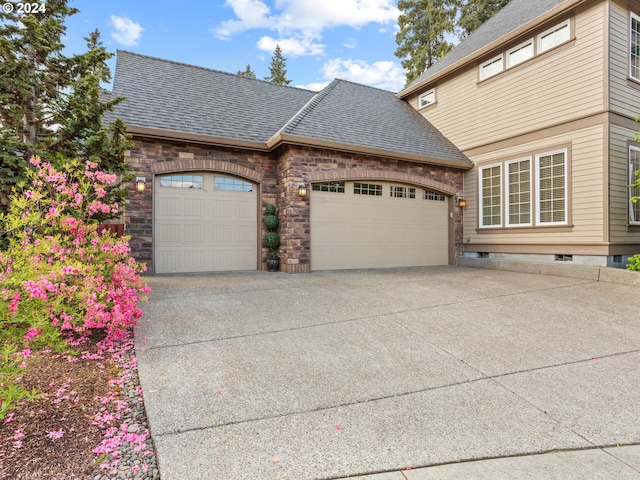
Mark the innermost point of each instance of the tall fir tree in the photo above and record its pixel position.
(52, 105)
(247, 72)
(278, 68)
(423, 26)
(474, 13)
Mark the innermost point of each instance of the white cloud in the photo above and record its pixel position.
(296, 18)
(126, 31)
(292, 47)
(315, 86)
(386, 75)
(350, 43)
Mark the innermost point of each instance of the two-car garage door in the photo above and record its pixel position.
(377, 224)
(205, 222)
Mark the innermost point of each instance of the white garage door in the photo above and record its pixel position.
(377, 224)
(204, 222)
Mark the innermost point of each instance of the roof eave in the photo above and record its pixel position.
(550, 14)
(288, 139)
(162, 134)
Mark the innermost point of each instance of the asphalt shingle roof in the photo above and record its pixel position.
(184, 98)
(176, 97)
(514, 15)
(354, 114)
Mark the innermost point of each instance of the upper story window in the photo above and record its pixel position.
(554, 36)
(634, 53)
(427, 98)
(519, 54)
(634, 176)
(492, 67)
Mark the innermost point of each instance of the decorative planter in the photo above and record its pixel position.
(273, 264)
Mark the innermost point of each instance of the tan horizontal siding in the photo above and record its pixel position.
(554, 87)
(624, 99)
(619, 181)
(587, 201)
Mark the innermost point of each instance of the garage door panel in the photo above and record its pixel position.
(204, 229)
(362, 231)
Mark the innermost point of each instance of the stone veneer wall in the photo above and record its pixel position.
(278, 175)
(306, 165)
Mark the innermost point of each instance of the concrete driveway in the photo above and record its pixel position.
(334, 374)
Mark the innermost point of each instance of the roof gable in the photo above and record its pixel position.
(512, 16)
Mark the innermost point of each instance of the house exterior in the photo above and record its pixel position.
(212, 149)
(543, 99)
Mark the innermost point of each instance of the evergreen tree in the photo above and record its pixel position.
(421, 41)
(51, 105)
(474, 13)
(278, 68)
(247, 73)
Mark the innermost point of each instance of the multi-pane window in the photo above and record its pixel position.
(519, 192)
(431, 195)
(367, 189)
(182, 181)
(634, 176)
(521, 208)
(428, 98)
(334, 187)
(634, 54)
(491, 196)
(554, 36)
(552, 188)
(519, 54)
(402, 192)
(232, 184)
(490, 68)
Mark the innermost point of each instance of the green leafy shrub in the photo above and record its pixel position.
(634, 263)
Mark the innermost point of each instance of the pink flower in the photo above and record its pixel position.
(18, 434)
(55, 434)
(26, 353)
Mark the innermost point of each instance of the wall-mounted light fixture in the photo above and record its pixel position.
(462, 202)
(140, 184)
(302, 190)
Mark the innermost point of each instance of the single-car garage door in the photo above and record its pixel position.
(204, 222)
(377, 224)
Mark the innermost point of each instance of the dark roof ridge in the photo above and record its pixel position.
(307, 107)
(207, 69)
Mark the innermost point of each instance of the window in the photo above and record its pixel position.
(634, 54)
(427, 98)
(519, 54)
(634, 176)
(402, 192)
(431, 195)
(232, 184)
(552, 188)
(554, 36)
(491, 196)
(334, 187)
(490, 68)
(182, 181)
(367, 189)
(519, 192)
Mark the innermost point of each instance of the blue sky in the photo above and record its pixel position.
(321, 39)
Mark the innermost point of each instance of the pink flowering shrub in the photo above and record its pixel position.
(61, 278)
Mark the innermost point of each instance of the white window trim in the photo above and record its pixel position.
(507, 184)
(424, 95)
(518, 47)
(632, 221)
(498, 58)
(566, 23)
(481, 197)
(632, 17)
(566, 190)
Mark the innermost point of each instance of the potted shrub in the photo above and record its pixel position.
(271, 238)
